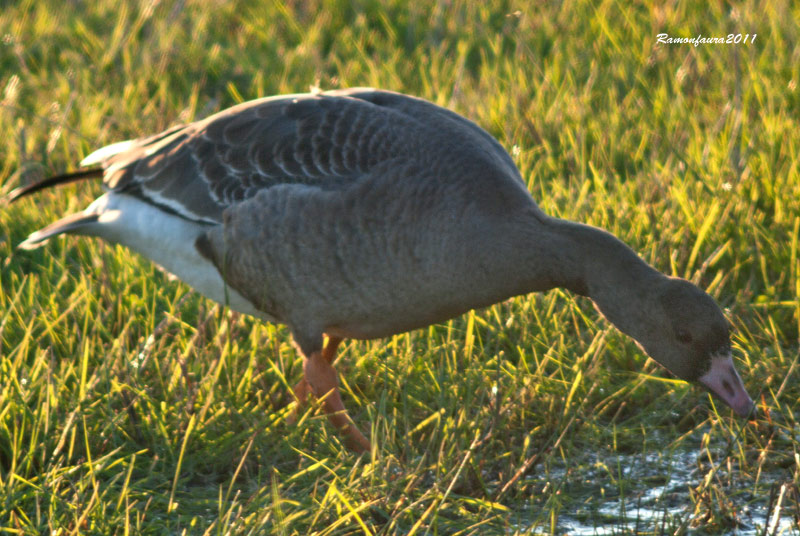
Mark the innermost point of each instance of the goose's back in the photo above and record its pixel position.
(327, 141)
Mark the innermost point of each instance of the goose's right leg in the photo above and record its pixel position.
(321, 380)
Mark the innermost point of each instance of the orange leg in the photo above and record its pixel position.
(302, 389)
(319, 378)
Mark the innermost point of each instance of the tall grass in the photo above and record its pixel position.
(129, 405)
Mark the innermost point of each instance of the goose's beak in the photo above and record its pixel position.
(723, 380)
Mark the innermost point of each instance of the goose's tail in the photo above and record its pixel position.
(68, 224)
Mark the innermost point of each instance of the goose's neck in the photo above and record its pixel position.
(594, 263)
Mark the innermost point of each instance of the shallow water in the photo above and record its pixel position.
(657, 499)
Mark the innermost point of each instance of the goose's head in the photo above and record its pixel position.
(692, 340)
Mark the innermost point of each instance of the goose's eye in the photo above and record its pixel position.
(683, 336)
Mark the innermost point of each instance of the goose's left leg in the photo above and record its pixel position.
(320, 378)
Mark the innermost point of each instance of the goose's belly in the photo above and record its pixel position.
(168, 241)
(404, 292)
(391, 322)
(409, 305)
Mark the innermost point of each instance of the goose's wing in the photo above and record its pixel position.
(326, 140)
(471, 138)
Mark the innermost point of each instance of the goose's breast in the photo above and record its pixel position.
(394, 266)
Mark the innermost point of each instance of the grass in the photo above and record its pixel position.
(129, 405)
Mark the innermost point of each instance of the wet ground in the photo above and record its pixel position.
(668, 493)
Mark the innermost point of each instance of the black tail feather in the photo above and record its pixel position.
(65, 178)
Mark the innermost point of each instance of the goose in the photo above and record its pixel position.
(364, 213)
